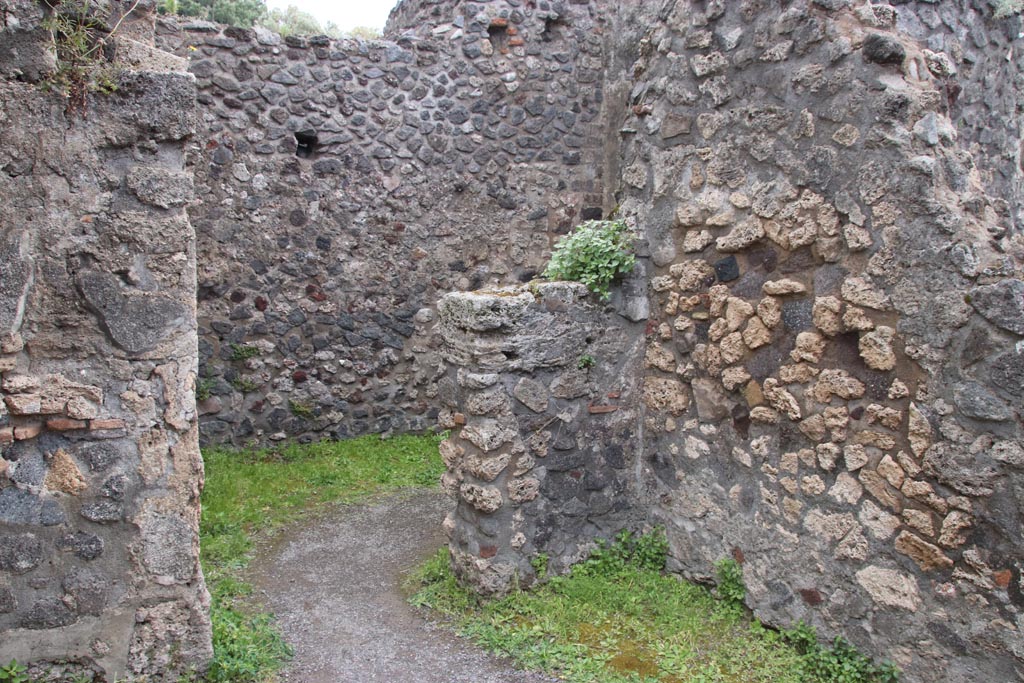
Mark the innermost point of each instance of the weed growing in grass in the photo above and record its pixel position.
(13, 673)
(730, 581)
(840, 663)
(250, 492)
(616, 618)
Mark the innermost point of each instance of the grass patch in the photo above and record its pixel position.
(617, 618)
(256, 493)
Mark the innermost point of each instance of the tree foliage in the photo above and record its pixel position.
(293, 21)
(234, 12)
(247, 13)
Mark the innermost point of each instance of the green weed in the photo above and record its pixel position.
(594, 253)
(730, 581)
(13, 673)
(243, 352)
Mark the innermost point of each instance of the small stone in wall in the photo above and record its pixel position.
(487, 468)
(742, 236)
(919, 431)
(570, 384)
(837, 419)
(923, 492)
(836, 382)
(735, 377)
(827, 455)
(813, 427)
(878, 522)
(920, 521)
(826, 315)
(898, 390)
(830, 527)
(696, 241)
(659, 357)
(890, 588)
(486, 499)
(879, 440)
(927, 556)
(855, 457)
(809, 347)
(812, 485)
(861, 292)
(487, 434)
(756, 334)
(978, 402)
(531, 394)
(854, 546)
(693, 275)
(64, 475)
(910, 467)
(847, 135)
(954, 527)
(712, 403)
(857, 320)
(689, 216)
(891, 471)
(876, 348)
(451, 453)
(1009, 452)
(719, 328)
(791, 509)
(732, 348)
(883, 49)
(783, 287)
(665, 394)
(764, 415)
(781, 400)
(857, 238)
(769, 310)
(737, 312)
(877, 487)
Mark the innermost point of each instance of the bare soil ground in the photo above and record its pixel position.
(334, 584)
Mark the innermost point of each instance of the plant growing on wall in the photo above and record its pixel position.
(81, 33)
(594, 253)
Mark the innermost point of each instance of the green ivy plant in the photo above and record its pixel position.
(594, 253)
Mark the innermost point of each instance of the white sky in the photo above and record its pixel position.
(345, 13)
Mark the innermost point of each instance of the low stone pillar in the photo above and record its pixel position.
(539, 396)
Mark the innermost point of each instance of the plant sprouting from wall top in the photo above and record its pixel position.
(81, 35)
(595, 253)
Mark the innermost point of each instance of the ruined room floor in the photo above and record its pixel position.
(334, 585)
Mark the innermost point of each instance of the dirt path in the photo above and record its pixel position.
(334, 585)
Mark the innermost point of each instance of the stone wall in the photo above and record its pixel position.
(345, 184)
(831, 193)
(100, 469)
(541, 398)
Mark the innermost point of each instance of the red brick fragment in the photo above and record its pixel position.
(63, 424)
(28, 431)
(97, 425)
